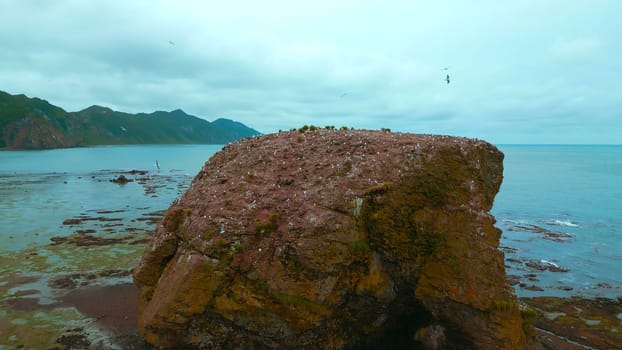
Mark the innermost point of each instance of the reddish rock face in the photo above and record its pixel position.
(333, 239)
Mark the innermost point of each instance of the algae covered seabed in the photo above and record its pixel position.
(70, 242)
(577, 323)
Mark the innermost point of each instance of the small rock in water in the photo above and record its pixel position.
(565, 288)
(72, 222)
(513, 280)
(121, 180)
(532, 287)
(544, 265)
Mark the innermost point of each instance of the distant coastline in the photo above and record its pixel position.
(32, 124)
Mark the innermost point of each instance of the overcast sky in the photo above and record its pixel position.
(520, 71)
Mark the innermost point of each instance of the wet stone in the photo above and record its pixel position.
(560, 237)
(121, 180)
(532, 287)
(83, 240)
(513, 280)
(74, 339)
(565, 288)
(72, 222)
(543, 265)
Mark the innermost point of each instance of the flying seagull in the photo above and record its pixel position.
(171, 42)
(344, 95)
(447, 78)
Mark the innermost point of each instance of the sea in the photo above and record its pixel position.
(41, 189)
(559, 209)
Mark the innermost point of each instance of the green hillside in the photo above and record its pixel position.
(32, 123)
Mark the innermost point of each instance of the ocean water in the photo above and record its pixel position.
(187, 158)
(560, 209)
(41, 189)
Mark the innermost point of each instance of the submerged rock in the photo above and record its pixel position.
(576, 323)
(544, 265)
(334, 239)
(72, 222)
(121, 180)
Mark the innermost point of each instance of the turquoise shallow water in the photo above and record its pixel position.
(187, 158)
(41, 189)
(560, 207)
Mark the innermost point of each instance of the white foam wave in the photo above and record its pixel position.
(562, 223)
(548, 263)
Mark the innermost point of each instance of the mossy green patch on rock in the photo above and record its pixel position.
(265, 228)
(174, 218)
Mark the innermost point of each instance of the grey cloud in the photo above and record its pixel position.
(534, 71)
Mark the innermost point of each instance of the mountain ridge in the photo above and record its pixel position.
(34, 123)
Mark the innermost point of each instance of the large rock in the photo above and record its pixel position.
(334, 239)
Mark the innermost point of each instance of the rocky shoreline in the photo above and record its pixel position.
(577, 323)
(560, 323)
(537, 276)
(75, 292)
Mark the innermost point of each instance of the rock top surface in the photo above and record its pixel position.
(334, 239)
